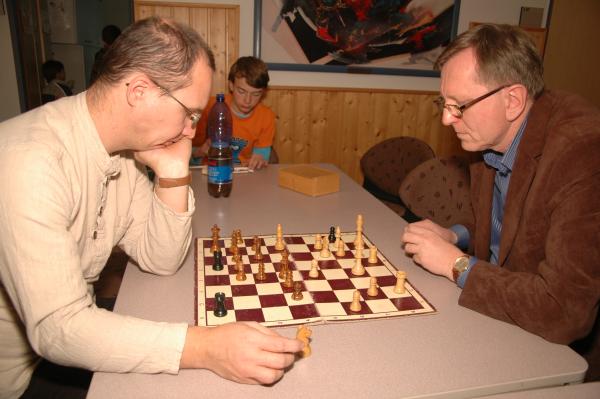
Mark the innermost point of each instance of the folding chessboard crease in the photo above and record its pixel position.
(296, 279)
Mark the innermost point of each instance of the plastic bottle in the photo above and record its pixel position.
(220, 160)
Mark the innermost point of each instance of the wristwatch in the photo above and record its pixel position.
(460, 265)
(166, 182)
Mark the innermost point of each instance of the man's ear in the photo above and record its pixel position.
(138, 89)
(516, 101)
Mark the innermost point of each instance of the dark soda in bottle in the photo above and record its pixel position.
(220, 160)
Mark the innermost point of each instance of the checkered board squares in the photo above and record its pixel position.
(326, 298)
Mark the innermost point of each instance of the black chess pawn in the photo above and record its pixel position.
(217, 264)
(331, 236)
(220, 309)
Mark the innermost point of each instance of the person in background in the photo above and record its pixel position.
(56, 86)
(532, 256)
(76, 169)
(253, 122)
(109, 35)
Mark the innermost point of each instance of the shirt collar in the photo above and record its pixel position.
(503, 163)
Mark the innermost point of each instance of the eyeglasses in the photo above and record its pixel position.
(194, 116)
(457, 111)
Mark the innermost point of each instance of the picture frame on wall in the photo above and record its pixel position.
(389, 37)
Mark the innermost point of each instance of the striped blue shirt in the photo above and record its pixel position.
(503, 163)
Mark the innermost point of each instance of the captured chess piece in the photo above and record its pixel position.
(355, 306)
(279, 245)
(297, 294)
(373, 287)
(331, 235)
(220, 309)
(314, 269)
(218, 263)
(373, 255)
(303, 334)
(401, 279)
(261, 275)
(318, 242)
(358, 269)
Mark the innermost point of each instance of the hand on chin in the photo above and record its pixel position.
(169, 160)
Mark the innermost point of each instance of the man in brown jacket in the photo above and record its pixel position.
(534, 249)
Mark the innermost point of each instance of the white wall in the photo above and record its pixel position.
(9, 100)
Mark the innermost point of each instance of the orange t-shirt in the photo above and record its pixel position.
(255, 131)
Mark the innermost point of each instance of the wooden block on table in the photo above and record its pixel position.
(309, 180)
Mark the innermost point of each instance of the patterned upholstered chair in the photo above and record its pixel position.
(385, 165)
(438, 190)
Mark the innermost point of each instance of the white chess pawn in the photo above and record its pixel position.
(373, 287)
(325, 253)
(373, 254)
(318, 242)
(314, 269)
(355, 306)
(401, 279)
(279, 245)
(340, 249)
(338, 235)
(358, 269)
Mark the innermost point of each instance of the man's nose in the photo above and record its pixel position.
(447, 118)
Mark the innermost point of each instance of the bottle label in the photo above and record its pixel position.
(220, 171)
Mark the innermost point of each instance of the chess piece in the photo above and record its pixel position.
(358, 252)
(241, 273)
(340, 249)
(297, 294)
(338, 235)
(279, 245)
(358, 269)
(258, 256)
(238, 236)
(261, 275)
(318, 242)
(255, 244)
(215, 238)
(401, 279)
(289, 280)
(325, 253)
(355, 306)
(220, 309)
(233, 242)
(373, 255)
(218, 263)
(284, 264)
(331, 235)
(373, 287)
(314, 269)
(303, 334)
(359, 229)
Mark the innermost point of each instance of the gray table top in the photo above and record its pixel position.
(454, 353)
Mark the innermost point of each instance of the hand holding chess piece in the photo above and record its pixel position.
(303, 334)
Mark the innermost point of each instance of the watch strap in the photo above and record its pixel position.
(169, 182)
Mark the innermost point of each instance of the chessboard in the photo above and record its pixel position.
(326, 298)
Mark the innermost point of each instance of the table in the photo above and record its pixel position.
(455, 353)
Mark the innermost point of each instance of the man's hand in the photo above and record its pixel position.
(432, 246)
(257, 162)
(171, 160)
(244, 352)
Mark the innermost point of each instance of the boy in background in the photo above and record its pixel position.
(56, 87)
(253, 122)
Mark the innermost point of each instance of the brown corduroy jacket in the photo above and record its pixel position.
(548, 281)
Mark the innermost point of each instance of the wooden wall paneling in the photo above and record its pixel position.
(218, 24)
(339, 125)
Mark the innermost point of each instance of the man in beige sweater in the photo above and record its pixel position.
(74, 186)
